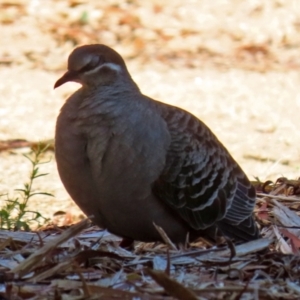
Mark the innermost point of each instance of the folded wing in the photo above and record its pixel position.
(202, 182)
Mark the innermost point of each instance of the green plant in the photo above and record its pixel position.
(14, 215)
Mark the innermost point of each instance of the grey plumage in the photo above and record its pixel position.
(130, 160)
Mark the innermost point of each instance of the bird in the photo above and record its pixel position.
(131, 161)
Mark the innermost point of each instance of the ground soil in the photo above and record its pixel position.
(233, 64)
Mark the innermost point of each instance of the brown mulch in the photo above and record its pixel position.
(84, 262)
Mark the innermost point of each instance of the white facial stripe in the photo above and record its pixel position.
(111, 66)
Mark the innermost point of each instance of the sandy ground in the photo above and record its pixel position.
(234, 66)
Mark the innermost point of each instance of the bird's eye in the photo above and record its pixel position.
(93, 63)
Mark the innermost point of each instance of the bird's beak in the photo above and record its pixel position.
(68, 76)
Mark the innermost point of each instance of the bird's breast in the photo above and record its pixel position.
(126, 157)
(109, 161)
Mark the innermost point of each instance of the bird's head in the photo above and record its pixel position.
(93, 65)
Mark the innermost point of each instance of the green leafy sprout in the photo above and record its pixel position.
(14, 215)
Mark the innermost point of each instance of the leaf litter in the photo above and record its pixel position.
(82, 261)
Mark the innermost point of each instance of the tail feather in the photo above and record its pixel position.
(247, 230)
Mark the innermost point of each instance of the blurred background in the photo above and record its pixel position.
(234, 64)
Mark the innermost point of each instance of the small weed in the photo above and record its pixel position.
(14, 215)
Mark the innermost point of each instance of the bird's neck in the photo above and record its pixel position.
(108, 100)
(118, 84)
